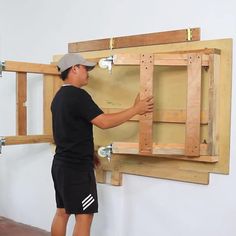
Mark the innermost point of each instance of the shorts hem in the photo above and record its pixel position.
(81, 212)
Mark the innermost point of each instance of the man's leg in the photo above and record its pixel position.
(59, 223)
(82, 224)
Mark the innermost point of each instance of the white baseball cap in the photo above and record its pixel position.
(71, 59)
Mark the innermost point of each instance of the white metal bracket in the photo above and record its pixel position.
(106, 63)
(105, 152)
(2, 67)
(2, 142)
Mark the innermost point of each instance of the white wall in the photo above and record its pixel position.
(34, 31)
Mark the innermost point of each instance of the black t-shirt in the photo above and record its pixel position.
(72, 110)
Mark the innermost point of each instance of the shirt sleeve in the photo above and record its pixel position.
(88, 108)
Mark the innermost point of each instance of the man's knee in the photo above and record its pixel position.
(62, 213)
(86, 218)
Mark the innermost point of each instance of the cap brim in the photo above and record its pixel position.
(90, 65)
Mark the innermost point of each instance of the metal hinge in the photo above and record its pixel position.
(105, 152)
(2, 67)
(2, 142)
(106, 63)
(189, 34)
(111, 43)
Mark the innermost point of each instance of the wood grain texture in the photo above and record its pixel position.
(27, 139)
(21, 98)
(213, 127)
(48, 94)
(146, 90)
(134, 40)
(120, 165)
(192, 134)
(15, 66)
(164, 116)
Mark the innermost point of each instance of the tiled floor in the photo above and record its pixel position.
(11, 228)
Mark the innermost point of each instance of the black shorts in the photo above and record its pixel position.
(75, 190)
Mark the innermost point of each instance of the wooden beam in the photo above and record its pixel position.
(21, 97)
(158, 149)
(29, 139)
(58, 82)
(14, 66)
(170, 151)
(116, 178)
(100, 175)
(192, 134)
(146, 90)
(213, 124)
(160, 59)
(135, 40)
(48, 94)
(164, 116)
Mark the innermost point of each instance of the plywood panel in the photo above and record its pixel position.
(171, 87)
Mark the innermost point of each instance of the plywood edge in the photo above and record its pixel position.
(142, 169)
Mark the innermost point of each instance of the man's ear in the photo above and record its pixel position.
(74, 68)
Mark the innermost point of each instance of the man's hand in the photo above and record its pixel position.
(144, 106)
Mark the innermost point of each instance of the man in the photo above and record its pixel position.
(74, 113)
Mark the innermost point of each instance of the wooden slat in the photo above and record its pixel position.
(163, 151)
(213, 127)
(135, 40)
(48, 94)
(165, 116)
(116, 178)
(160, 59)
(100, 175)
(21, 97)
(192, 134)
(146, 90)
(158, 149)
(58, 82)
(29, 139)
(15, 66)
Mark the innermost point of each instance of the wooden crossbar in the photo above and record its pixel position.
(14, 66)
(28, 139)
(165, 116)
(174, 151)
(160, 59)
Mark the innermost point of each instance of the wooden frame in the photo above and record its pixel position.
(194, 61)
(217, 106)
(21, 69)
